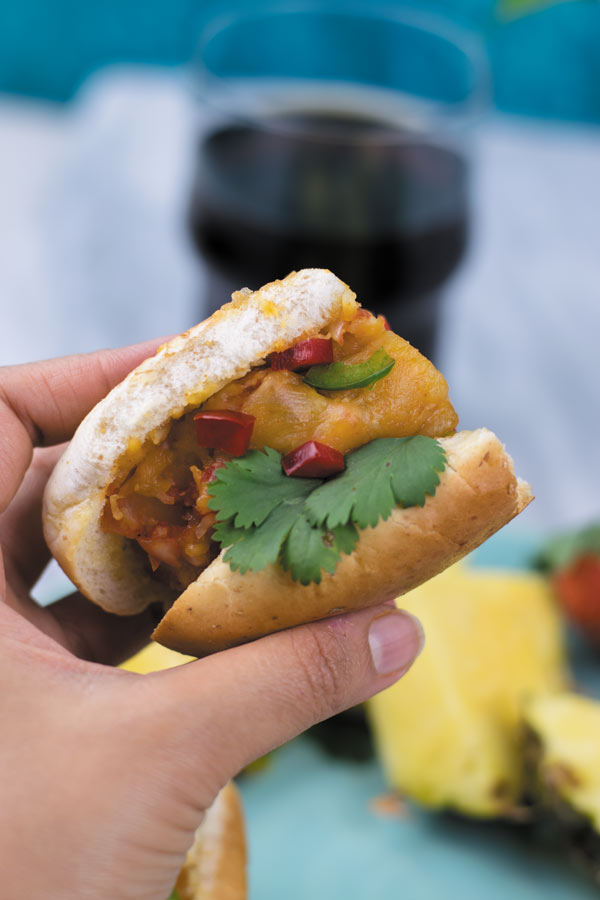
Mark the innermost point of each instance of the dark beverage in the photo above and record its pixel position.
(383, 209)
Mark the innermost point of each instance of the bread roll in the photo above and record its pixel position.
(477, 495)
(215, 866)
(478, 491)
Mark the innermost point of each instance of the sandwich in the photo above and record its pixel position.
(215, 865)
(288, 459)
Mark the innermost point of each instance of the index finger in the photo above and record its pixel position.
(43, 403)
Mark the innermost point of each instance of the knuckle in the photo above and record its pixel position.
(324, 667)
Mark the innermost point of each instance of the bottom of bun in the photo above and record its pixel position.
(215, 866)
(478, 494)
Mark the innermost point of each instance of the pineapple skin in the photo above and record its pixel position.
(447, 734)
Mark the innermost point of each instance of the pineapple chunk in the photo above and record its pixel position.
(566, 732)
(447, 733)
(153, 658)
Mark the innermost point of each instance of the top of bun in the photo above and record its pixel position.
(181, 376)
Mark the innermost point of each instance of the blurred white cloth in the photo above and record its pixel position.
(97, 253)
(93, 253)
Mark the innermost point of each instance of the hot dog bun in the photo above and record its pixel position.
(478, 493)
(215, 866)
(181, 376)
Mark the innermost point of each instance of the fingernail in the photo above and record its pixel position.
(395, 640)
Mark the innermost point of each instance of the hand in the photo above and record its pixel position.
(104, 775)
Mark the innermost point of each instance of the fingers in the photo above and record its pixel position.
(86, 630)
(237, 705)
(21, 534)
(92, 634)
(78, 625)
(51, 397)
(42, 403)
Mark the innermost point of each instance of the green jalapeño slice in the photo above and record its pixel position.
(342, 376)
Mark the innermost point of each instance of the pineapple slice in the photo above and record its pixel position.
(153, 658)
(564, 756)
(447, 733)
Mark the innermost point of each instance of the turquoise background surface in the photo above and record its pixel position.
(545, 63)
(312, 833)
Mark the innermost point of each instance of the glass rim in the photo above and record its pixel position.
(450, 113)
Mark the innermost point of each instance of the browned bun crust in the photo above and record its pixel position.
(215, 866)
(184, 373)
(478, 492)
(477, 495)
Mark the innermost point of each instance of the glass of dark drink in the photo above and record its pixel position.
(339, 140)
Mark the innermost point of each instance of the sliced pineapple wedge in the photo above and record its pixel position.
(563, 738)
(153, 658)
(447, 733)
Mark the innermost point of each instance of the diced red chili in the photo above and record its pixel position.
(313, 460)
(312, 352)
(224, 429)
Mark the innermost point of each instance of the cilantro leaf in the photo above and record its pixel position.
(249, 488)
(308, 549)
(345, 537)
(418, 461)
(255, 548)
(378, 476)
(264, 515)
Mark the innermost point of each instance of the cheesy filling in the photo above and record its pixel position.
(162, 501)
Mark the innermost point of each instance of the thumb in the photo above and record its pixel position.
(231, 708)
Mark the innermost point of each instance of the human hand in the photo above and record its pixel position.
(104, 775)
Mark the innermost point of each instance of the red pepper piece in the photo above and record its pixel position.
(224, 429)
(313, 460)
(312, 352)
(386, 324)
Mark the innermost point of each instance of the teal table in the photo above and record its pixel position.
(313, 834)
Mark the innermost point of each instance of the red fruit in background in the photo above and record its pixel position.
(577, 587)
(313, 460)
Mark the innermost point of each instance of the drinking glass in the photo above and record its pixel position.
(338, 139)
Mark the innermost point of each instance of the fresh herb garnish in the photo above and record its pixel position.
(264, 516)
(255, 548)
(174, 895)
(341, 376)
(386, 473)
(564, 549)
(249, 488)
(309, 549)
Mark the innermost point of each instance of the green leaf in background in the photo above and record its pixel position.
(513, 9)
(564, 549)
